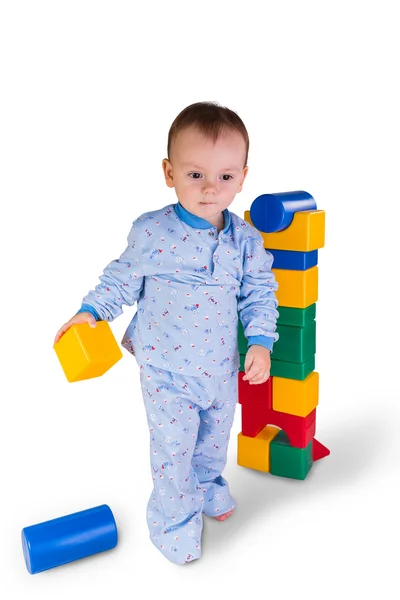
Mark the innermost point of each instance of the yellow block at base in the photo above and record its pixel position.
(253, 452)
(86, 352)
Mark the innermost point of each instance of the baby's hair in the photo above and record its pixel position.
(211, 119)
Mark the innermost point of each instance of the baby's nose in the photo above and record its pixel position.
(209, 187)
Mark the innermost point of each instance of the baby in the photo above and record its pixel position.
(193, 268)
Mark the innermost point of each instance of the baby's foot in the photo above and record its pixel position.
(224, 516)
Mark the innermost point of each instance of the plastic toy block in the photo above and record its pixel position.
(319, 450)
(69, 538)
(85, 352)
(295, 397)
(274, 212)
(282, 368)
(297, 261)
(253, 452)
(305, 233)
(297, 289)
(242, 340)
(287, 461)
(254, 418)
(254, 395)
(288, 316)
(297, 317)
(295, 344)
(292, 370)
(300, 430)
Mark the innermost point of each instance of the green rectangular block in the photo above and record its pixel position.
(295, 344)
(292, 370)
(298, 317)
(242, 340)
(288, 370)
(287, 461)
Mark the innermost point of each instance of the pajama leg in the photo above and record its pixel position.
(210, 453)
(175, 507)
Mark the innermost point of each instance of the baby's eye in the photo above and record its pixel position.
(195, 175)
(226, 177)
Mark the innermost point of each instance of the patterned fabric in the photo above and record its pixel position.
(190, 419)
(190, 283)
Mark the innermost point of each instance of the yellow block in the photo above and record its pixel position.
(295, 397)
(305, 233)
(85, 352)
(253, 452)
(297, 289)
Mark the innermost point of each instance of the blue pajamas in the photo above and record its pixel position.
(191, 283)
(190, 420)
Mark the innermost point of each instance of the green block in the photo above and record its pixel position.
(295, 344)
(242, 340)
(297, 317)
(287, 370)
(286, 461)
(292, 370)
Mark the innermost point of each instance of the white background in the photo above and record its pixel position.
(88, 92)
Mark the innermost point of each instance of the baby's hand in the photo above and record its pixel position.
(83, 317)
(257, 364)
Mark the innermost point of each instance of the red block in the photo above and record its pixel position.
(300, 430)
(319, 450)
(254, 418)
(254, 395)
(257, 412)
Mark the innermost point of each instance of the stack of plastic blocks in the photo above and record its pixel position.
(279, 416)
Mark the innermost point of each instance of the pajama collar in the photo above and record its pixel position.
(198, 222)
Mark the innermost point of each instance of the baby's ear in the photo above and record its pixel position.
(245, 171)
(167, 168)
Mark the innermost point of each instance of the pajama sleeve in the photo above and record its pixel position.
(120, 284)
(257, 301)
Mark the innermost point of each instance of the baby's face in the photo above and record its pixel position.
(206, 175)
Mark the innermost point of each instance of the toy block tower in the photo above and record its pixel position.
(279, 416)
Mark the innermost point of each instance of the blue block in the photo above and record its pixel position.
(296, 261)
(63, 540)
(274, 212)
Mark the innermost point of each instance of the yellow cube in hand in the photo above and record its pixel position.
(85, 352)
